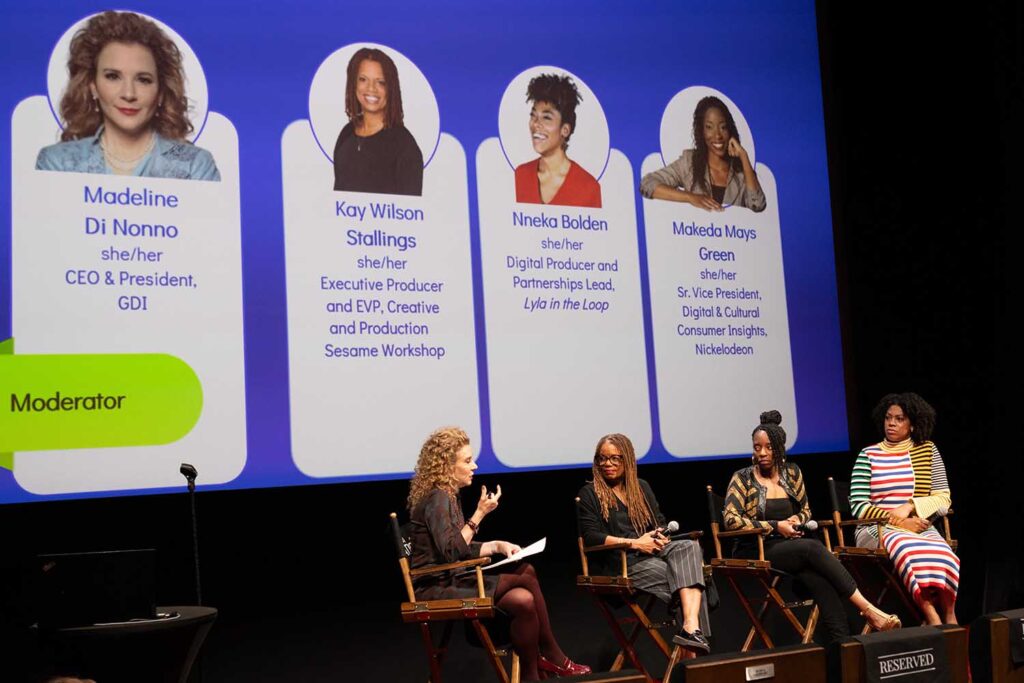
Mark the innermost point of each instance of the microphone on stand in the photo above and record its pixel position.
(190, 473)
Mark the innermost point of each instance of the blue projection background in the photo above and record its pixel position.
(259, 60)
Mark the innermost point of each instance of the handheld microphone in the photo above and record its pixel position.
(809, 525)
(669, 528)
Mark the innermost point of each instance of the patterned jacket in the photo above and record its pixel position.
(746, 499)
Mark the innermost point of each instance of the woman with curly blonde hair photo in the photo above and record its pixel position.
(124, 111)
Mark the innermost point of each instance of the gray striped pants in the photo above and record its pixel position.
(680, 564)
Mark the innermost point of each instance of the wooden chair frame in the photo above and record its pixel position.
(619, 586)
(448, 611)
(760, 571)
(855, 558)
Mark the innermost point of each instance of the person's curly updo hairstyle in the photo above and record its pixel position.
(561, 93)
(918, 411)
(436, 464)
(77, 109)
(771, 424)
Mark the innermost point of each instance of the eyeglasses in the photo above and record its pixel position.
(611, 459)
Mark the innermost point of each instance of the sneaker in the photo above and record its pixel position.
(694, 641)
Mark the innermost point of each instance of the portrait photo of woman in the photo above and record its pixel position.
(124, 111)
(717, 173)
(375, 152)
(554, 178)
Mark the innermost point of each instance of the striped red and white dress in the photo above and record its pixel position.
(887, 476)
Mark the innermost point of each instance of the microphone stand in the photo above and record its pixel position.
(190, 476)
(190, 473)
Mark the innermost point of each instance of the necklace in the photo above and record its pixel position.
(125, 165)
(365, 132)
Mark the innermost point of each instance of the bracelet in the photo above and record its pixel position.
(473, 525)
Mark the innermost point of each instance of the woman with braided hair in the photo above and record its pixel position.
(770, 494)
(440, 534)
(716, 173)
(619, 507)
(902, 480)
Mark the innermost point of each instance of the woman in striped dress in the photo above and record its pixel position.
(902, 480)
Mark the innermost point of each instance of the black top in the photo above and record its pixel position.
(435, 533)
(594, 529)
(718, 193)
(776, 509)
(388, 162)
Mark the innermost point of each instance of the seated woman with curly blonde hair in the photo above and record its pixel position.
(440, 534)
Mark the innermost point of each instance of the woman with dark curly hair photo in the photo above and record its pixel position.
(440, 534)
(124, 111)
(716, 173)
(902, 480)
(553, 178)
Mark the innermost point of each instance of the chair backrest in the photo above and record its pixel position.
(403, 549)
(716, 519)
(400, 537)
(579, 541)
(839, 497)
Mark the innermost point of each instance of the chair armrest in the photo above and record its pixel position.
(862, 522)
(438, 568)
(744, 532)
(825, 522)
(692, 535)
(611, 546)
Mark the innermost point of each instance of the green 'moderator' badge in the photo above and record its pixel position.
(55, 402)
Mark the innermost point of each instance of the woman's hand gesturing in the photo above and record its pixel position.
(488, 500)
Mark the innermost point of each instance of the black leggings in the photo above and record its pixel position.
(828, 582)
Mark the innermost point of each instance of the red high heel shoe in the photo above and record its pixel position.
(570, 668)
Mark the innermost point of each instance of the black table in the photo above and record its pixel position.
(160, 650)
